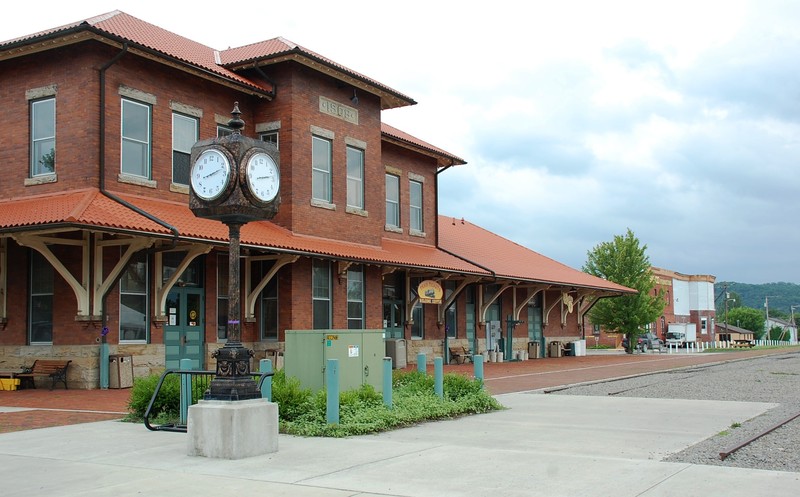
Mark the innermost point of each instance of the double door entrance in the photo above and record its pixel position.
(183, 333)
(393, 318)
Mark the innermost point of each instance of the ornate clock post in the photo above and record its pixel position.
(235, 180)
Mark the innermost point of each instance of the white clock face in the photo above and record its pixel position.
(211, 173)
(263, 177)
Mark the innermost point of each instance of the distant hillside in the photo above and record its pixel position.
(781, 295)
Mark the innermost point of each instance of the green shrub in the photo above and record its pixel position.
(291, 398)
(361, 411)
(166, 405)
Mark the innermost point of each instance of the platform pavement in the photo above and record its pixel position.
(545, 445)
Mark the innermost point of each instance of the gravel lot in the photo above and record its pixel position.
(773, 379)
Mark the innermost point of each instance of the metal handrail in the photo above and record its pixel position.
(177, 427)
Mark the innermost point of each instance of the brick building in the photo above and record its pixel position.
(99, 118)
(689, 299)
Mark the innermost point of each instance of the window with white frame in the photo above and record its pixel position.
(321, 169)
(392, 201)
(321, 294)
(415, 206)
(40, 325)
(703, 326)
(222, 296)
(135, 156)
(43, 137)
(355, 177)
(184, 135)
(133, 299)
(270, 137)
(355, 298)
(223, 131)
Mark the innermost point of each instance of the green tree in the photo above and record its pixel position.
(625, 261)
(748, 318)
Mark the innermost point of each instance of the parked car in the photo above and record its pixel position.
(650, 341)
(644, 342)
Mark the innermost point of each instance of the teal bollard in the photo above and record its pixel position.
(387, 381)
(186, 390)
(332, 384)
(104, 364)
(477, 363)
(422, 365)
(265, 366)
(438, 376)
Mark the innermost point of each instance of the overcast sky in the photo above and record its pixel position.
(578, 119)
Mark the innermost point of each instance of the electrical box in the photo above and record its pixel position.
(360, 354)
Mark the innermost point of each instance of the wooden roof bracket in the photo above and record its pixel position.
(461, 286)
(252, 295)
(162, 290)
(80, 288)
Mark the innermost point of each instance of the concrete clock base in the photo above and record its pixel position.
(232, 430)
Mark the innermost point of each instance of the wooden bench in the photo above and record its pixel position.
(45, 368)
(459, 354)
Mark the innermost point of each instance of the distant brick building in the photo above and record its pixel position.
(689, 299)
(98, 119)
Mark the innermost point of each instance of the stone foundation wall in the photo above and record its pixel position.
(84, 370)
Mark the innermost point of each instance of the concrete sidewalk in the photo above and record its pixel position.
(541, 445)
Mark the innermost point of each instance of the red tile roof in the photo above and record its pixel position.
(507, 259)
(130, 29)
(125, 27)
(280, 49)
(90, 208)
(479, 252)
(444, 158)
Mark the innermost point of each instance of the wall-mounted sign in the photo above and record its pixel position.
(335, 109)
(430, 292)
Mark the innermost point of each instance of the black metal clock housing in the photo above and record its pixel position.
(241, 200)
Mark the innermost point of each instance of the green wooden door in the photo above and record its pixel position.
(393, 318)
(183, 333)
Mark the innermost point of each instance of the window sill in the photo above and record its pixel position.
(136, 180)
(356, 211)
(322, 204)
(41, 180)
(420, 234)
(393, 229)
(133, 342)
(179, 188)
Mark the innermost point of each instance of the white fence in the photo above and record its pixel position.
(720, 344)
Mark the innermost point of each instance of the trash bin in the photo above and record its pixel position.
(533, 350)
(120, 371)
(555, 349)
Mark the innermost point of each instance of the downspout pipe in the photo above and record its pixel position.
(436, 200)
(103, 69)
(104, 351)
(274, 92)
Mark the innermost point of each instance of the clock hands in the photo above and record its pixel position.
(212, 173)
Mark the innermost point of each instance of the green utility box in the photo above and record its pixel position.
(360, 354)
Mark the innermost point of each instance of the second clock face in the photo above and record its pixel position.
(263, 177)
(211, 174)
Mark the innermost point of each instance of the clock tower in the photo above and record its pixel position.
(234, 180)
